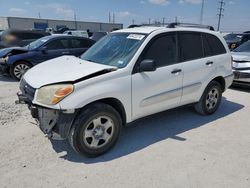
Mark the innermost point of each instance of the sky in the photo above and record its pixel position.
(236, 13)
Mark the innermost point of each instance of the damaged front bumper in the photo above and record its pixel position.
(56, 124)
(4, 68)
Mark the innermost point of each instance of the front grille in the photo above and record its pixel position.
(27, 90)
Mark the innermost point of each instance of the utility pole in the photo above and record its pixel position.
(149, 21)
(176, 19)
(220, 14)
(133, 22)
(202, 11)
(163, 21)
(113, 17)
(39, 15)
(75, 20)
(109, 17)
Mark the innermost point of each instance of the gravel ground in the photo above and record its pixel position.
(176, 148)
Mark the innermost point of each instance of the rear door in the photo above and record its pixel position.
(79, 45)
(159, 90)
(199, 56)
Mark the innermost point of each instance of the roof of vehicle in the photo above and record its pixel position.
(64, 36)
(148, 30)
(25, 31)
(75, 31)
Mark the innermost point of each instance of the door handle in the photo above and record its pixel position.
(209, 63)
(175, 71)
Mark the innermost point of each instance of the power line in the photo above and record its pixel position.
(202, 11)
(220, 14)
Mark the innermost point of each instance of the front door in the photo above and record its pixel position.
(161, 89)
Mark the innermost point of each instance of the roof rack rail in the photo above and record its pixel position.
(174, 24)
(134, 25)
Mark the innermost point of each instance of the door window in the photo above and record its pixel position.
(162, 50)
(58, 44)
(190, 46)
(80, 43)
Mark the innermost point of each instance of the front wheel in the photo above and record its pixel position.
(19, 69)
(95, 130)
(210, 99)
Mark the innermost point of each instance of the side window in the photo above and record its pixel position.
(58, 44)
(163, 50)
(80, 43)
(208, 49)
(215, 44)
(190, 46)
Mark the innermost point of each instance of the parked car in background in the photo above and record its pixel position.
(17, 61)
(77, 33)
(241, 64)
(235, 40)
(10, 38)
(127, 75)
(98, 35)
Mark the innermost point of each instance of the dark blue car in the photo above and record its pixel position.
(16, 61)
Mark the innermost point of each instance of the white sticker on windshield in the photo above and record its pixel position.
(135, 36)
(120, 62)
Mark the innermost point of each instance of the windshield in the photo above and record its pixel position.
(245, 47)
(115, 49)
(37, 43)
(233, 37)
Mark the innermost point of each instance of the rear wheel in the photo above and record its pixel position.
(210, 99)
(96, 130)
(19, 69)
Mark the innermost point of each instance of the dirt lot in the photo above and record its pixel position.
(176, 148)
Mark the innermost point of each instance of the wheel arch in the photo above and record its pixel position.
(22, 60)
(115, 103)
(222, 81)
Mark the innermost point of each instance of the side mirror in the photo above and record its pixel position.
(44, 50)
(147, 65)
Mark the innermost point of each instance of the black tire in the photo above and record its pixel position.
(22, 66)
(81, 143)
(204, 107)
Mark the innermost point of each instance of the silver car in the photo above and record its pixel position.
(241, 64)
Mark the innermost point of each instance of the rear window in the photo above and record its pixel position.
(212, 45)
(190, 46)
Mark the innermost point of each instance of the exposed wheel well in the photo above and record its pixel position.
(221, 80)
(116, 104)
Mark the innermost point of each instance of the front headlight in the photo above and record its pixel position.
(4, 59)
(53, 94)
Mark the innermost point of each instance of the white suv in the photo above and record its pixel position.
(127, 75)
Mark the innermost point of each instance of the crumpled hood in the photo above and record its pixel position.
(241, 56)
(62, 69)
(15, 50)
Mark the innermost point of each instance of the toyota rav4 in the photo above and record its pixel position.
(127, 75)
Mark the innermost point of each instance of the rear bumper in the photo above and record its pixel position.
(56, 124)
